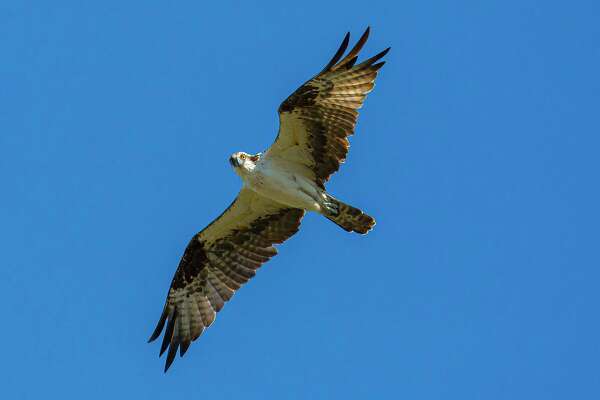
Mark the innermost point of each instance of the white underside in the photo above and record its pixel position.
(285, 183)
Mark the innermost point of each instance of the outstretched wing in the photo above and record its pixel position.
(315, 121)
(217, 262)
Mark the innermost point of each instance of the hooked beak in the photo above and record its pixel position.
(234, 162)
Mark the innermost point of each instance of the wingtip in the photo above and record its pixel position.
(367, 31)
(345, 41)
(184, 347)
(384, 52)
(156, 333)
(171, 355)
(371, 61)
(338, 54)
(377, 67)
(163, 347)
(159, 326)
(350, 58)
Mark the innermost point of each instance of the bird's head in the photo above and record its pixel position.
(243, 162)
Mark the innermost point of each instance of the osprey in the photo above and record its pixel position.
(279, 186)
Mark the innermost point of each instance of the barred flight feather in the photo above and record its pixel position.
(318, 117)
(217, 262)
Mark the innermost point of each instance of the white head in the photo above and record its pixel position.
(243, 162)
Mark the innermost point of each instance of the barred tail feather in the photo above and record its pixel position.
(347, 217)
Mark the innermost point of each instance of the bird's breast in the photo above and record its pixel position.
(284, 186)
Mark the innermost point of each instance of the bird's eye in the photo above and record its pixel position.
(242, 156)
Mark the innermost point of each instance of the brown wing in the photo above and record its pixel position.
(315, 121)
(217, 262)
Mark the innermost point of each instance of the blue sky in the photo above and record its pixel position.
(477, 153)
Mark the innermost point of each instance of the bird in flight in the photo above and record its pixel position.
(279, 186)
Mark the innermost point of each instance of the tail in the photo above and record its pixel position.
(347, 217)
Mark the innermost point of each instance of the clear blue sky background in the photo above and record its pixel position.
(477, 153)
